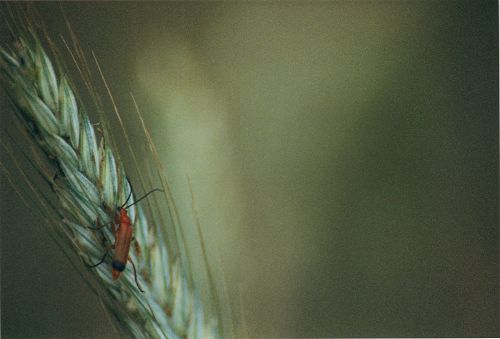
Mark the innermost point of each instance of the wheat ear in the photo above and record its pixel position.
(90, 182)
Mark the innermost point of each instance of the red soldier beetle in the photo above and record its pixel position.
(123, 237)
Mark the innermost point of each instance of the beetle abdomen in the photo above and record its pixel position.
(119, 266)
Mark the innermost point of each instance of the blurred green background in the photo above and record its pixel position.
(343, 157)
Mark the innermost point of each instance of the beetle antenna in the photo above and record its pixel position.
(129, 195)
(144, 196)
(128, 198)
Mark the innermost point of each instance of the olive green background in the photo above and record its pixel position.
(343, 157)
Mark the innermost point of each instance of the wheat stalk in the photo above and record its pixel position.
(89, 184)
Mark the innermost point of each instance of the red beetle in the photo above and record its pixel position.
(123, 237)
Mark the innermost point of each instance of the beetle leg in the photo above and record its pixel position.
(135, 275)
(100, 227)
(100, 262)
(103, 257)
(137, 247)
